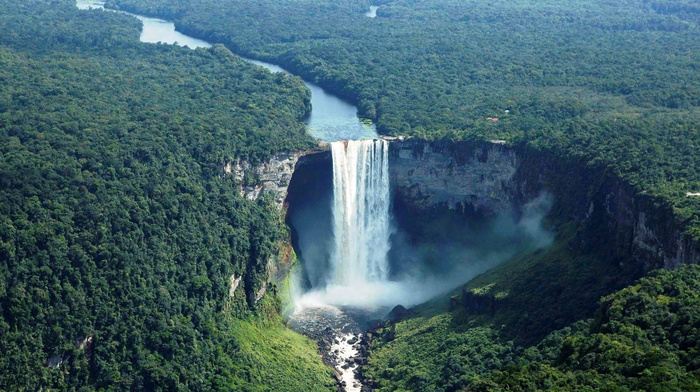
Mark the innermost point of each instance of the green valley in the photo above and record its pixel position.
(139, 249)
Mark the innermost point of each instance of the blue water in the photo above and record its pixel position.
(331, 118)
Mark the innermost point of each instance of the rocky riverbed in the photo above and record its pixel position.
(341, 337)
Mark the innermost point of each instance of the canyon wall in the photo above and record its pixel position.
(272, 176)
(460, 176)
(485, 178)
(611, 211)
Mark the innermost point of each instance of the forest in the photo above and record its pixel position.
(608, 86)
(119, 232)
(613, 85)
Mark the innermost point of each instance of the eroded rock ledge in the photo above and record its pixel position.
(485, 178)
(272, 176)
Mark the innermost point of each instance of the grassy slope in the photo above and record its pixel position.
(535, 294)
(276, 354)
(271, 357)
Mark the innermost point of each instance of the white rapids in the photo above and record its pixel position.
(340, 338)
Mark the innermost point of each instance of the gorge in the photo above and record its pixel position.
(169, 217)
(464, 182)
(485, 179)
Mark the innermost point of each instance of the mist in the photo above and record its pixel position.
(438, 265)
(424, 262)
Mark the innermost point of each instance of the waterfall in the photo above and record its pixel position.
(361, 220)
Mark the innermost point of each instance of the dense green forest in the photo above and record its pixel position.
(644, 337)
(119, 232)
(609, 84)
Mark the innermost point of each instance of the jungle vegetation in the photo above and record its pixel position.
(644, 337)
(119, 231)
(613, 85)
(608, 86)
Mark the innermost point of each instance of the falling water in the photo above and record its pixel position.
(361, 221)
(359, 264)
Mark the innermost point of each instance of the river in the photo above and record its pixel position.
(339, 336)
(331, 118)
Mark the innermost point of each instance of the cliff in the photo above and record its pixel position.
(458, 175)
(484, 178)
(272, 176)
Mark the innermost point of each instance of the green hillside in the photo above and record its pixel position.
(119, 233)
(612, 85)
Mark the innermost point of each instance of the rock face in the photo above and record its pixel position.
(272, 176)
(645, 227)
(485, 178)
(397, 313)
(459, 176)
(479, 304)
(233, 285)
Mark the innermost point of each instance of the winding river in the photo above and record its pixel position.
(331, 118)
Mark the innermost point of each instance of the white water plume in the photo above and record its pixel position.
(366, 262)
(361, 219)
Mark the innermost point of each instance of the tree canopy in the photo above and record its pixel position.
(119, 232)
(609, 84)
